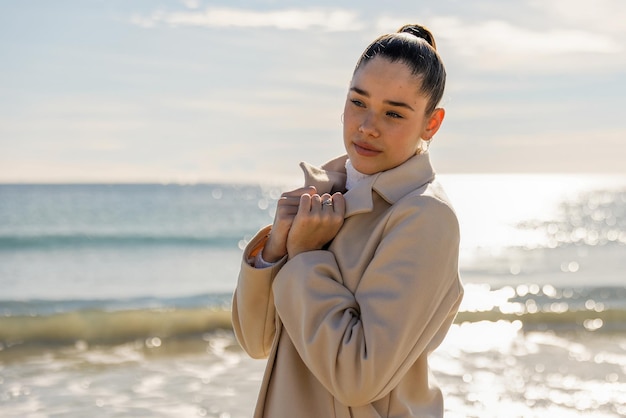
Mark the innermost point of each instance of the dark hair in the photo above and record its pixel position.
(415, 46)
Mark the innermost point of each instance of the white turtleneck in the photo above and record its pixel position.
(353, 176)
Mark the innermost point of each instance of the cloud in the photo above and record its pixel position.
(602, 15)
(508, 39)
(547, 45)
(287, 19)
(499, 45)
(191, 4)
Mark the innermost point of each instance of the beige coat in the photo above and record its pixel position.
(348, 330)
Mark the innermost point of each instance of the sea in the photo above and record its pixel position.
(115, 298)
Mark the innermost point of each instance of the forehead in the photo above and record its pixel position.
(380, 75)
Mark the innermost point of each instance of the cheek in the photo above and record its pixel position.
(351, 117)
(406, 140)
(347, 110)
(346, 121)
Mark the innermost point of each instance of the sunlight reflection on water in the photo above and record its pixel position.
(508, 373)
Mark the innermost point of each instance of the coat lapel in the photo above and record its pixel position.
(391, 185)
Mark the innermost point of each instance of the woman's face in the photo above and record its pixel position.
(384, 116)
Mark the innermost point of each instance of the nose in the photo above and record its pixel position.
(369, 125)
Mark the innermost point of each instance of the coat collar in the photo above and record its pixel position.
(391, 185)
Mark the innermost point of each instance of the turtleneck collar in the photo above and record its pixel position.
(353, 176)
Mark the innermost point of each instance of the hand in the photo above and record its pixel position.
(286, 209)
(316, 223)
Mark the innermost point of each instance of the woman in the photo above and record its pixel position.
(356, 281)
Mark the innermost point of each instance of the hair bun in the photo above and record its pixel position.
(420, 32)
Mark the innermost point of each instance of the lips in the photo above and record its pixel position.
(365, 150)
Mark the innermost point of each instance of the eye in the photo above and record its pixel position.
(394, 115)
(357, 102)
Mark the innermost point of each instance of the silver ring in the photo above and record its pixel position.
(327, 202)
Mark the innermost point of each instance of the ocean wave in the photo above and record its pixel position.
(105, 327)
(47, 307)
(609, 320)
(53, 241)
(112, 327)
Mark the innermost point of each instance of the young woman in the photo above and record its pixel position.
(356, 281)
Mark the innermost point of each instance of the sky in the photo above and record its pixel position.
(199, 91)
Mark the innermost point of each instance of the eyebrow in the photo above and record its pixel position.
(389, 102)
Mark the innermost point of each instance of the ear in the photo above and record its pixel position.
(433, 123)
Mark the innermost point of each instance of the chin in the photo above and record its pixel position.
(364, 168)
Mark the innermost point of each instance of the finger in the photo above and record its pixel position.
(327, 202)
(311, 190)
(289, 210)
(286, 213)
(292, 198)
(305, 204)
(289, 201)
(316, 203)
(339, 203)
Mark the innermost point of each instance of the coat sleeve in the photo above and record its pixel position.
(359, 346)
(253, 312)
